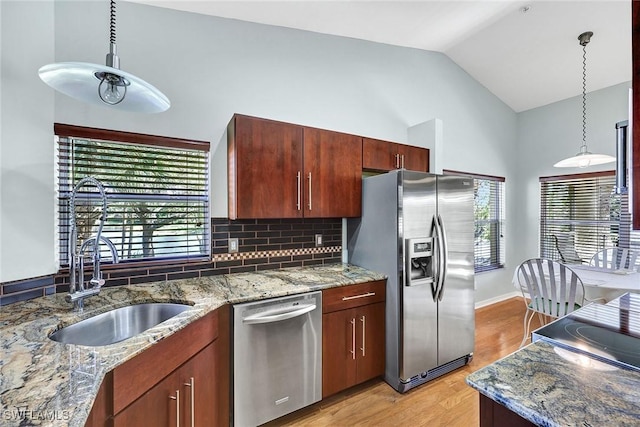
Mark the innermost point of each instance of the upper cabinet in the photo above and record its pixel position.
(264, 167)
(281, 170)
(380, 155)
(635, 162)
(332, 174)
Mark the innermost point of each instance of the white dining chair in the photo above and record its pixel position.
(616, 259)
(550, 289)
(566, 246)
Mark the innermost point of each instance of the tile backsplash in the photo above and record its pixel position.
(264, 244)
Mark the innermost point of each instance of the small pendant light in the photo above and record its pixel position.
(584, 158)
(105, 85)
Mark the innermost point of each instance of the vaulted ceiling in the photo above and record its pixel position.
(526, 53)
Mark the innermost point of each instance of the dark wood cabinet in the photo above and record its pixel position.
(264, 168)
(185, 397)
(282, 170)
(184, 377)
(378, 155)
(352, 335)
(635, 161)
(493, 414)
(333, 174)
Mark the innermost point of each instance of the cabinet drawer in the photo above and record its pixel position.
(351, 296)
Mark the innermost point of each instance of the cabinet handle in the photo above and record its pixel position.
(402, 164)
(309, 190)
(353, 338)
(192, 384)
(364, 327)
(177, 399)
(368, 294)
(299, 178)
(397, 161)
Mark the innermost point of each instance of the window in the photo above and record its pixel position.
(157, 191)
(489, 218)
(489, 222)
(580, 214)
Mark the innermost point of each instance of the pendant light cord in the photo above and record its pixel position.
(584, 95)
(112, 23)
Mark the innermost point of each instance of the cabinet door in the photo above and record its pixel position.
(265, 169)
(370, 342)
(338, 357)
(332, 174)
(197, 380)
(414, 158)
(379, 155)
(157, 407)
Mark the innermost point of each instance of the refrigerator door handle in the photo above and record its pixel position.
(442, 257)
(435, 285)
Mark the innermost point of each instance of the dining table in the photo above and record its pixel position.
(601, 284)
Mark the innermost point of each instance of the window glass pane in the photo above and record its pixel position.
(158, 198)
(579, 216)
(489, 223)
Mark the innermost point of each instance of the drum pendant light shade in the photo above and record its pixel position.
(584, 158)
(105, 85)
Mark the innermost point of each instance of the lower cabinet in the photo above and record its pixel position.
(182, 380)
(353, 335)
(493, 414)
(184, 398)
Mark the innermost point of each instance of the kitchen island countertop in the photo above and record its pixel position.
(551, 386)
(47, 383)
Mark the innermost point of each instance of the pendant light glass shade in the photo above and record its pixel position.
(584, 158)
(105, 85)
(83, 81)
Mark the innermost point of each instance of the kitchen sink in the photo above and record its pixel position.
(118, 324)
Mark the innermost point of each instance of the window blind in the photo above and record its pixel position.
(158, 195)
(489, 220)
(489, 214)
(583, 210)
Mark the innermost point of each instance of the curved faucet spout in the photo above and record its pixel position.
(91, 240)
(77, 289)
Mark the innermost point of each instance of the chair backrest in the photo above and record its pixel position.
(566, 246)
(616, 259)
(553, 288)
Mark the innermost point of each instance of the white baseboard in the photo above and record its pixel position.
(498, 299)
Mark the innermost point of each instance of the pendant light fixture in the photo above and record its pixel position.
(105, 85)
(584, 158)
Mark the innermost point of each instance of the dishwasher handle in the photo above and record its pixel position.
(261, 318)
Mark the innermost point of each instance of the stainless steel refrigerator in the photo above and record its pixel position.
(418, 229)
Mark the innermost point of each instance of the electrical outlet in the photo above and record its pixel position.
(233, 245)
(318, 240)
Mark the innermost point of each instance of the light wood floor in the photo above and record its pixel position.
(445, 401)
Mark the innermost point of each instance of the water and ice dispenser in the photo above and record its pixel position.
(419, 261)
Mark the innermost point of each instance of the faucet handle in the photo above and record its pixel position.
(96, 283)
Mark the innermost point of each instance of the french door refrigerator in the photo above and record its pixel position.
(418, 229)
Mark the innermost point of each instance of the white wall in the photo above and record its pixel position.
(211, 68)
(26, 142)
(554, 132)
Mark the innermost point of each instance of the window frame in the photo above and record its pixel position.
(498, 243)
(107, 135)
(546, 244)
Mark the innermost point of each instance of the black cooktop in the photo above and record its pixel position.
(609, 332)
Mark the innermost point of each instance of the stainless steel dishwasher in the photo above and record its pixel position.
(277, 357)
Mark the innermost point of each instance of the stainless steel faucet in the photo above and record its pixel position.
(77, 289)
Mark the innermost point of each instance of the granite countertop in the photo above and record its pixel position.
(43, 382)
(551, 386)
